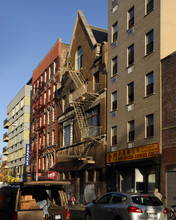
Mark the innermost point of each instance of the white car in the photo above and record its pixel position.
(126, 206)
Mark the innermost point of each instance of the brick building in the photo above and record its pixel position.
(44, 128)
(140, 34)
(169, 128)
(82, 113)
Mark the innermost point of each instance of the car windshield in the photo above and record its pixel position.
(146, 200)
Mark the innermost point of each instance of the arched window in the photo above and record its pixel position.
(79, 58)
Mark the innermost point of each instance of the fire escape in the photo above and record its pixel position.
(81, 99)
(38, 127)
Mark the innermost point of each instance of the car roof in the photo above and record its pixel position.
(130, 193)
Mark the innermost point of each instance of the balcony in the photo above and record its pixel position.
(6, 123)
(5, 137)
(5, 151)
(86, 92)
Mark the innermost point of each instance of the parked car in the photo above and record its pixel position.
(126, 206)
(35, 200)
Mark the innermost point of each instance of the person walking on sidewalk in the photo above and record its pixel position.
(157, 194)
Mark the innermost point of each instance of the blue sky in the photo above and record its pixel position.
(28, 30)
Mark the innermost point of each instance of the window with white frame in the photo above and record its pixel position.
(114, 32)
(130, 92)
(149, 84)
(22, 102)
(149, 42)
(54, 65)
(44, 97)
(45, 76)
(150, 125)
(48, 116)
(93, 121)
(114, 66)
(53, 137)
(131, 55)
(149, 5)
(53, 111)
(131, 130)
(48, 138)
(49, 72)
(49, 95)
(114, 101)
(114, 135)
(131, 18)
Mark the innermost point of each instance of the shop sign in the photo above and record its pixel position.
(27, 156)
(52, 175)
(134, 153)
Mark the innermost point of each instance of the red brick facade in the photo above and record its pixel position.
(168, 117)
(44, 126)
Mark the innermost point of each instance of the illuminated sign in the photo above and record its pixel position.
(27, 157)
(134, 153)
(52, 175)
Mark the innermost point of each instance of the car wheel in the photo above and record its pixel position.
(88, 217)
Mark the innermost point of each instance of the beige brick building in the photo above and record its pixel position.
(140, 34)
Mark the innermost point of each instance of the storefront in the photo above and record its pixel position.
(135, 169)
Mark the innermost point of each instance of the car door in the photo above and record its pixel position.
(115, 207)
(98, 208)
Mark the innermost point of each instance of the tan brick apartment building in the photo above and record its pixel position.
(140, 33)
(44, 126)
(82, 113)
(169, 128)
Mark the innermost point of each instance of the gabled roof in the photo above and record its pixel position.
(95, 34)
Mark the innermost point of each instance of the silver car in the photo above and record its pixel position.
(126, 206)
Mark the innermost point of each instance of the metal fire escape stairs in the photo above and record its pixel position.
(81, 99)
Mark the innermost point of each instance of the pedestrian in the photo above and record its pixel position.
(157, 194)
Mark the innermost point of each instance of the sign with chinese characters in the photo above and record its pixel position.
(52, 175)
(27, 157)
(134, 153)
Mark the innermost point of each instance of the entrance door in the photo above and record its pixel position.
(171, 188)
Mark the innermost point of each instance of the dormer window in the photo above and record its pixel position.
(79, 58)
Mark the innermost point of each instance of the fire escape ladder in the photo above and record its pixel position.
(77, 78)
(81, 118)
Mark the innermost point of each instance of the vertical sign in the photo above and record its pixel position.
(27, 158)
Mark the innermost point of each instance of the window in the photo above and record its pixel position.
(45, 76)
(79, 59)
(114, 135)
(131, 18)
(149, 83)
(150, 125)
(93, 121)
(67, 133)
(54, 65)
(114, 66)
(22, 102)
(96, 82)
(114, 3)
(131, 131)
(49, 72)
(149, 6)
(105, 199)
(44, 97)
(149, 42)
(53, 137)
(114, 101)
(131, 93)
(131, 55)
(49, 95)
(114, 32)
(63, 104)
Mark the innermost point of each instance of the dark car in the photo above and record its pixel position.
(36, 200)
(126, 206)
